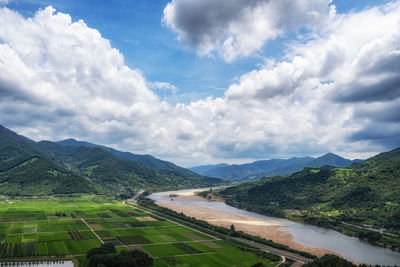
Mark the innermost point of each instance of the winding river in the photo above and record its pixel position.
(350, 248)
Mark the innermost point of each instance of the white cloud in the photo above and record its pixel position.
(238, 28)
(163, 86)
(60, 78)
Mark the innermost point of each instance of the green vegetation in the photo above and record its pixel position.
(329, 260)
(30, 228)
(352, 200)
(221, 232)
(28, 168)
(25, 171)
(106, 255)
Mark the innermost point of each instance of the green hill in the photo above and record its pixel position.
(44, 168)
(25, 171)
(147, 160)
(118, 174)
(363, 193)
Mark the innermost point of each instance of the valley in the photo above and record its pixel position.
(314, 240)
(63, 199)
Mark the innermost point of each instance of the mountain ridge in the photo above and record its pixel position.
(362, 193)
(270, 168)
(43, 168)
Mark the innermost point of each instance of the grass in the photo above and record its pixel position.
(30, 227)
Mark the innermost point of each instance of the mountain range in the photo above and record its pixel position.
(270, 168)
(41, 168)
(366, 192)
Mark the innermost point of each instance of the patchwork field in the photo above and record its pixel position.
(72, 226)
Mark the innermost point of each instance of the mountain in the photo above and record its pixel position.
(205, 168)
(325, 161)
(145, 159)
(270, 168)
(329, 159)
(25, 171)
(366, 192)
(116, 173)
(44, 168)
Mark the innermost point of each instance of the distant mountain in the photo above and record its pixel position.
(366, 192)
(329, 159)
(25, 171)
(325, 161)
(44, 168)
(205, 168)
(270, 168)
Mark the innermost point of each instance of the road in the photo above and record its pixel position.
(133, 199)
(279, 252)
(370, 229)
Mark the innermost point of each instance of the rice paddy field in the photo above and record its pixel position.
(60, 227)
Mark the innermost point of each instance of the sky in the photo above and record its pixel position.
(204, 82)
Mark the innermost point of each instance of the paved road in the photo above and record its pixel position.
(133, 199)
(279, 252)
(370, 229)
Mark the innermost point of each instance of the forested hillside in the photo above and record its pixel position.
(363, 193)
(25, 171)
(44, 168)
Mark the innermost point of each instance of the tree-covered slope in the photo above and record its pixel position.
(116, 173)
(44, 168)
(368, 191)
(25, 171)
(147, 160)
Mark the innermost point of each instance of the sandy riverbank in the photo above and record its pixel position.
(270, 230)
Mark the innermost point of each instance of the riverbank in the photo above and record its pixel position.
(250, 225)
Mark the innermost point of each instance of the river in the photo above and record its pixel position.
(350, 248)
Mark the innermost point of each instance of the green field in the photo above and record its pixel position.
(72, 226)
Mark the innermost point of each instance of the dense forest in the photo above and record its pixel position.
(44, 168)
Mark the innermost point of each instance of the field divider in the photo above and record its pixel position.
(188, 255)
(170, 243)
(91, 229)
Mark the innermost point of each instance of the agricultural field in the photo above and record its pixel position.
(58, 227)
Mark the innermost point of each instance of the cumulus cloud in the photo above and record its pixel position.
(61, 68)
(60, 78)
(163, 86)
(354, 63)
(238, 28)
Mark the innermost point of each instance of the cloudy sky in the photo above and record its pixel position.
(210, 81)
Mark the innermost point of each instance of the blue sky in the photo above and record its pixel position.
(250, 79)
(135, 28)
